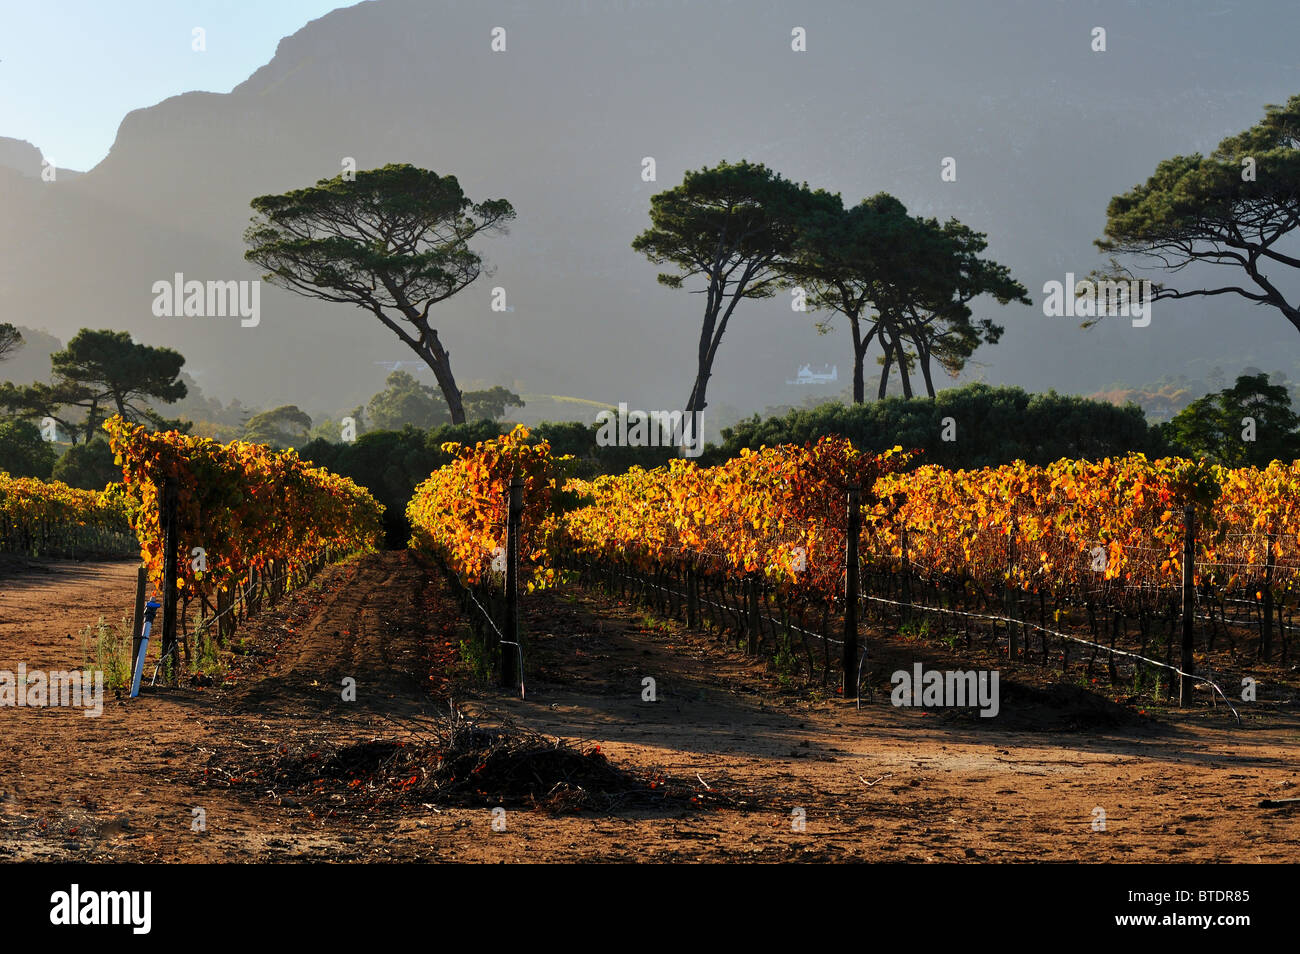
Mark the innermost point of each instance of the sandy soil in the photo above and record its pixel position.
(877, 783)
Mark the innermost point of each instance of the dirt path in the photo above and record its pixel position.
(46, 606)
(125, 786)
(879, 783)
(886, 783)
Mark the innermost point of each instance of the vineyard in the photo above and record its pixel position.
(1141, 575)
(252, 522)
(460, 512)
(727, 586)
(1038, 562)
(51, 519)
(495, 510)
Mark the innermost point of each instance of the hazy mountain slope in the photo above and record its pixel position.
(1044, 131)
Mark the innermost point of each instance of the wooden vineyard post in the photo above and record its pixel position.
(510, 645)
(692, 615)
(137, 618)
(1266, 637)
(1189, 604)
(171, 545)
(1006, 592)
(851, 597)
(749, 615)
(907, 575)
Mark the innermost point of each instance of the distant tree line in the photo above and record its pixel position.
(52, 429)
(96, 375)
(971, 426)
(390, 463)
(1250, 423)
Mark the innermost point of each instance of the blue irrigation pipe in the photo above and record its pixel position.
(150, 610)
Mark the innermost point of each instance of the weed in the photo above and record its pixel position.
(785, 663)
(107, 648)
(915, 631)
(476, 659)
(207, 658)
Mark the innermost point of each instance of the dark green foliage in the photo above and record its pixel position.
(734, 227)
(491, 404)
(992, 426)
(403, 402)
(394, 241)
(119, 372)
(10, 339)
(22, 451)
(1213, 426)
(32, 402)
(578, 439)
(281, 427)
(906, 282)
(391, 463)
(99, 373)
(88, 466)
(1235, 209)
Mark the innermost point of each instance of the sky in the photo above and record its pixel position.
(71, 69)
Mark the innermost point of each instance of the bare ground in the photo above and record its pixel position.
(877, 783)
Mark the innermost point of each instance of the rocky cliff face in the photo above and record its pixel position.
(20, 156)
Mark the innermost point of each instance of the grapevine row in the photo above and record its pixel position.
(50, 519)
(247, 514)
(459, 513)
(765, 535)
(1072, 527)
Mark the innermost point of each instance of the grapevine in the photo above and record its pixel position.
(49, 518)
(246, 508)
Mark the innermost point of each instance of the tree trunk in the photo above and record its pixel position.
(884, 367)
(902, 366)
(438, 359)
(859, 356)
(704, 359)
(715, 326)
(91, 414)
(696, 402)
(923, 356)
(859, 390)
